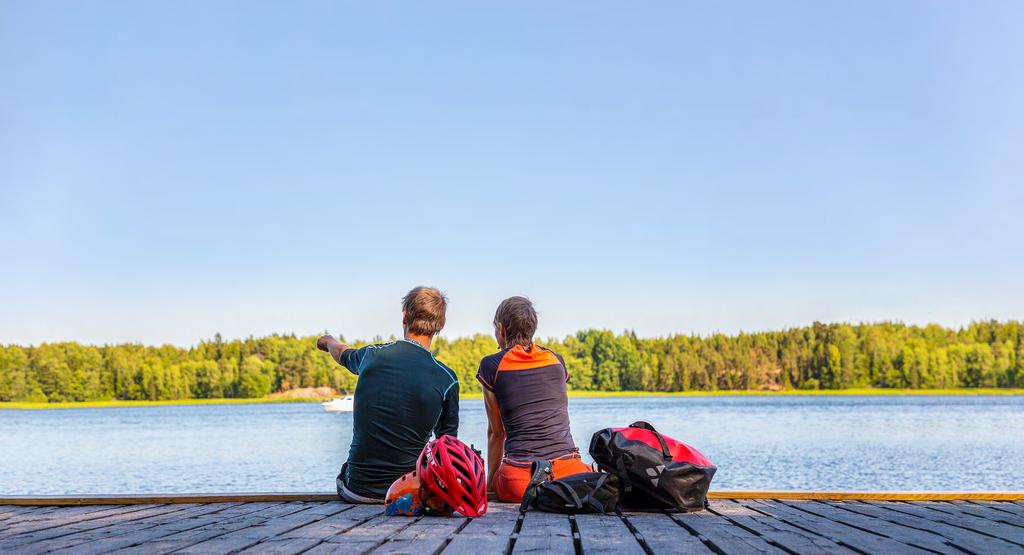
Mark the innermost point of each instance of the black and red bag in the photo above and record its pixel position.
(656, 473)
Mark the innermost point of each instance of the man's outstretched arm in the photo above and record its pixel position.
(332, 346)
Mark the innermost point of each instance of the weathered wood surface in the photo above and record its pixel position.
(191, 498)
(729, 526)
(544, 533)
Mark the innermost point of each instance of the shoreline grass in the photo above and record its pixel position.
(803, 392)
(572, 394)
(119, 403)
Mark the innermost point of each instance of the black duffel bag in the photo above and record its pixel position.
(585, 492)
(656, 473)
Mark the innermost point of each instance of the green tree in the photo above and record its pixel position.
(254, 380)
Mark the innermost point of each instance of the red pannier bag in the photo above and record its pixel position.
(656, 473)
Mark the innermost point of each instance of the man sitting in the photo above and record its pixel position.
(403, 395)
(526, 402)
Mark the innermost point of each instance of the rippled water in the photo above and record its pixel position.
(841, 442)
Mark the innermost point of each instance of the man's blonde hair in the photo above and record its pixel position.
(424, 309)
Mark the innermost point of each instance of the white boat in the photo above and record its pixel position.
(341, 404)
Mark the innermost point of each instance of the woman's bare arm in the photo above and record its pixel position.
(495, 437)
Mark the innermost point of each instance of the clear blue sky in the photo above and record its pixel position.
(169, 170)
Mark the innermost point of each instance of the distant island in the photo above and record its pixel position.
(816, 357)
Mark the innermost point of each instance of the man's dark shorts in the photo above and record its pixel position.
(347, 495)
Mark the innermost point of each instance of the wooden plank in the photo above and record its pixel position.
(335, 524)
(776, 532)
(4, 522)
(871, 495)
(838, 532)
(253, 534)
(427, 535)
(18, 513)
(27, 516)
(190, 498)
(1006, 532)
(488, 534)
(953, 514)
(148, 499)
(723, 536)
(12, 511)
(73, 542)
(982, 510)
(33, 512)
(213, 528)
(63, 516)
(964, 540)
(365, 537)
(25, 509)
(544, 533)
(306, 537)
(1003, 506)
(104, 540)
(910, 536)
(289, 546)
(19, 541)
(661, 534)
(606, 534)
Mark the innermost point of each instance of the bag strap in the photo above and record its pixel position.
(592, 498)
(661, 439)
(620, 471)
(540, 471)
(572, 497)
(581, 503)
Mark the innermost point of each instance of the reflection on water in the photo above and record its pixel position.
(841, 442)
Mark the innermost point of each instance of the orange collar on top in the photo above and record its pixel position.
(518, 358)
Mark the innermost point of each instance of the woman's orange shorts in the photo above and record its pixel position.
(513, 476)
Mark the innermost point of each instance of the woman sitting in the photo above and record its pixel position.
(526, 402)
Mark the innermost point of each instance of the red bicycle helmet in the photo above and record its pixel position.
(452, 471)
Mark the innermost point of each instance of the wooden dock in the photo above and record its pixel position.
(313, 525)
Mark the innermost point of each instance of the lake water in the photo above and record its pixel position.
(808, 443)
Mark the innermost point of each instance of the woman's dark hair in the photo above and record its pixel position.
(517, 316)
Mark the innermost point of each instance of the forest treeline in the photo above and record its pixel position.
(819, 356)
